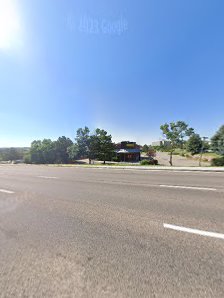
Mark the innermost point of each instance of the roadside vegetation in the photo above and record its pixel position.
(180, 139)
(175, 134)
(185, 142)
(13, 154)
(149, 162)
(97, 145)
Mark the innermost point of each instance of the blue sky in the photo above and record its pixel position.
(67, 64)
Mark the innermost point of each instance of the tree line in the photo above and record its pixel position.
(12, 154)
(96, 145)
(99, 145)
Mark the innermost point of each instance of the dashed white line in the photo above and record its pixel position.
(188, 187)
(7, 191)
(47, 177)
(194, 231)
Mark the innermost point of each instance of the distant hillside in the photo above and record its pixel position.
(13, 153)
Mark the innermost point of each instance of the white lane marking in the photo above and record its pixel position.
(194, 231)
(7, 191)
(187, 187)
(47, 177)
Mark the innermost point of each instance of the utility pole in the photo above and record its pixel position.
(202, 149)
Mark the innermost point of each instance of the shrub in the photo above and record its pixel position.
(115, 159)
(27, 158)
(218, 162)
(156, 162)
(149, 162)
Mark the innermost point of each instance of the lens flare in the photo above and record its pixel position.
(10, 25)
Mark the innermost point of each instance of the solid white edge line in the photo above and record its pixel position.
(7, 191)
(187, 187)
(194, 231)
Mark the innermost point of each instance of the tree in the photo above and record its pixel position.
(73, 152)
(48, 151)
(101, 145)
(61, 146)
(176, 133)
(217, 141)
(83, 142)
(145, 148)
(36, 155)
(194, 144)
(11, 154)
(42, 152)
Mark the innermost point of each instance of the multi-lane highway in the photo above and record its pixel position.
(80, 232)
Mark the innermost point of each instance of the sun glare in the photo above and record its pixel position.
(10, 26)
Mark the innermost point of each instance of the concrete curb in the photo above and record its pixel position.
(155, 168)
(137, 168)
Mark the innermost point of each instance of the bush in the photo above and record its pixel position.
(149, 162)
(27, 158)
(115, 159)
(218, 162)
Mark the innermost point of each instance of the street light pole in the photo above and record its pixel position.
(202, 149)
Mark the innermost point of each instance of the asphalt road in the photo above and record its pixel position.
(79, 232)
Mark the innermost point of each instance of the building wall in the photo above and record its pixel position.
(129, 157)
(128, 145)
